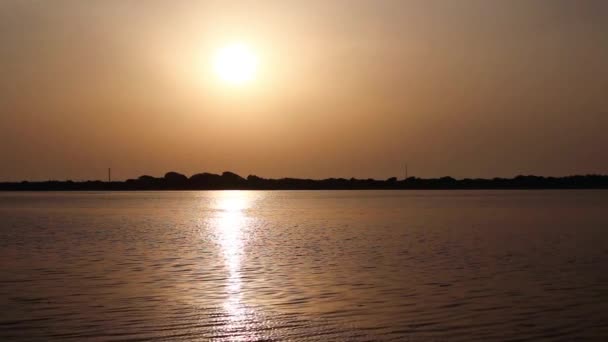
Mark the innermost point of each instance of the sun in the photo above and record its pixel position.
(235, 64)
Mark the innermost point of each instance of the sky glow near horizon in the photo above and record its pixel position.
(324, 88)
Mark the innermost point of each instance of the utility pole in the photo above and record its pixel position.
(109, 175)
(405, 171)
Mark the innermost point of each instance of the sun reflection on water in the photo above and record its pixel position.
(231, 225)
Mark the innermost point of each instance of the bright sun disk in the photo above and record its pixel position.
(235, 64)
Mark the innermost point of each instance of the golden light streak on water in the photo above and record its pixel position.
(231, 226)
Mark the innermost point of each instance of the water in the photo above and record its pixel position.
(306, 266)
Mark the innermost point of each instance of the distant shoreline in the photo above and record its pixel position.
(232, 181)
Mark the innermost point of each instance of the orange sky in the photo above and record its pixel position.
(471, 88)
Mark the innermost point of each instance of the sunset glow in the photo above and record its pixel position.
(354, 170)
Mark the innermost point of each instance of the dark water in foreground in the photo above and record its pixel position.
(306, 266)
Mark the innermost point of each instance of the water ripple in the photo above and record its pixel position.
(305, 266)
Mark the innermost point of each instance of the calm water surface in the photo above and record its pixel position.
(306, 266)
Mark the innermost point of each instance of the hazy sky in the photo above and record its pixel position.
(468, 88)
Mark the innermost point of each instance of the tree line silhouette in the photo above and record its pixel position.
(232, 181)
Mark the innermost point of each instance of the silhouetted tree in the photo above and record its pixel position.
(175, 180)
(230, 180)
